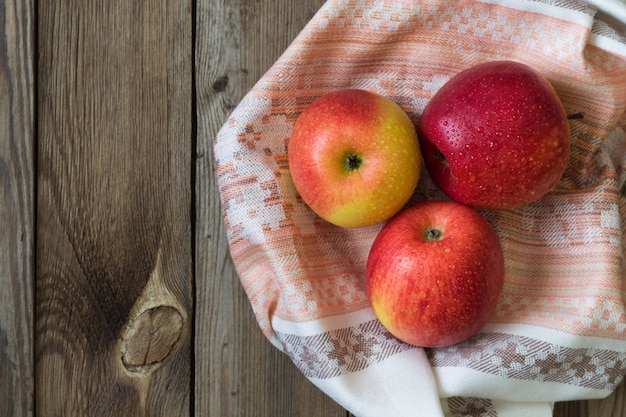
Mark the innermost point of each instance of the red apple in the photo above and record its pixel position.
(434, 273)
(495, 136)
(354, 157)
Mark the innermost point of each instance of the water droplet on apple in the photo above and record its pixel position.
(445, 123)
(470, 146)
(495, 145)
(480, 129)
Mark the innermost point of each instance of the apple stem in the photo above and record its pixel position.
(433, 234)
(353, 162)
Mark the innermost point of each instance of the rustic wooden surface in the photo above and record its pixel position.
(17, 207)
(114, 292)
(117, 293)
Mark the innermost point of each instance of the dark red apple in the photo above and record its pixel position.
(434, 273)
(495, 136)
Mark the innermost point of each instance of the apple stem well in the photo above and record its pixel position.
(353, 162)
(439, 155)
(432, 234)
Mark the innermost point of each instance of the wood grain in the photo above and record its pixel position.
(17, 207)
(114, 261)
(238, 372)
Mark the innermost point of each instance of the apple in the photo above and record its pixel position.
(434, 273)
(354, 157)
(495, 136)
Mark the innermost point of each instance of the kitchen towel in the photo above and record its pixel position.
(559, 330)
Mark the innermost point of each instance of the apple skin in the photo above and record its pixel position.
(434, 273)
(354, 157)
(495, 136)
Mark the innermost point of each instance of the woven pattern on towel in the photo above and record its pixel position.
(559, 331)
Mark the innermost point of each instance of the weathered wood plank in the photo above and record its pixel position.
(17, 207)
(114, 262)
(238, 372)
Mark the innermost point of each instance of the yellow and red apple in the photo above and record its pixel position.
(495, 136)
(354, 157)
(434, 273)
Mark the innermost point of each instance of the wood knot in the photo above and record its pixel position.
(150, 338)
(220, 84)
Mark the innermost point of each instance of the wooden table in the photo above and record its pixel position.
(117, 293)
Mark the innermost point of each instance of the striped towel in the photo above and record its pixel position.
(559, 331)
